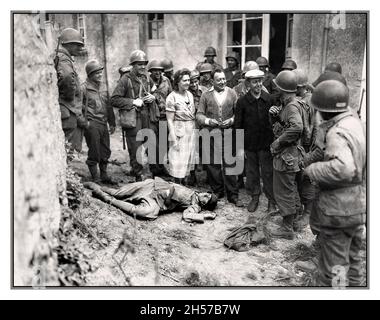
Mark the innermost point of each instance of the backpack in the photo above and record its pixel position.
(307, 116)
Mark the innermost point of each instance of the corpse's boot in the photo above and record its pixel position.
(103, 174)
(94, 173)
(286, 230)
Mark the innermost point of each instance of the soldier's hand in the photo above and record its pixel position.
(112, 129)
(138, 102)
(149, 98)
(274, 110)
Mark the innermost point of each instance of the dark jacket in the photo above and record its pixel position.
(252, 115)
(68, 84)
(96, 104)
(131, 87)
(162, 91)
(232, 79)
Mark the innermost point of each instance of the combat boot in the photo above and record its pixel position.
(303, 220)
(271, 207)
(252, 206)
(286, 230)
(103, 174)
(94, 173)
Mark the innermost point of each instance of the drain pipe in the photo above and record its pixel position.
(326, 30)
(105, 52)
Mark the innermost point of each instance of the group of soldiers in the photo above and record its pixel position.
(302, 141)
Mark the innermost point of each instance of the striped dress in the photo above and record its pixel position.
(181, 161)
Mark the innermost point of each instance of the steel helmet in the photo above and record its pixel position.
(206, 67)
(250, 65)
(234, 55)
(93, 66)
(330, 75)
(123, 70)
(210, 51)
(167, 64)
(334, 66)
(302, 79)
(262, 62)
(330, 96)
(289, 64)
(155, 64)
(286, 81)
(70, 35)
(194, 74)
(138, 56)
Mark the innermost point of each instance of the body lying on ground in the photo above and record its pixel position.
(151, 197)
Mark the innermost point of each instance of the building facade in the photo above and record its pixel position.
(312, 40)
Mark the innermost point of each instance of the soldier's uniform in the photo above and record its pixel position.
(341, 177)
(286, 149)
(99, 112)
(70, 98)
(147, 199)
(130, 87)
(341, 203)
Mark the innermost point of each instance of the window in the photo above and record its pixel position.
(82, 25)
(245, 35)
(155, 26)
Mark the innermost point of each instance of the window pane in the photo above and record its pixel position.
(160, 16)
(150, 36)
(234, 16)
(160, 30)
(234, 29)
(253, 32)
(253, 15)
(251, 54)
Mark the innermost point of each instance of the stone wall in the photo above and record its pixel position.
(39, 156)
(344, 45)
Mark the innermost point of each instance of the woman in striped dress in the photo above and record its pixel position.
(180, 113)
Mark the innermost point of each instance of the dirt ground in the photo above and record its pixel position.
(171, 252)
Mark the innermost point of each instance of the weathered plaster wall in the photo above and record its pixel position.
(122, 37)
(345, 46)
(39, 156)
(186, 38)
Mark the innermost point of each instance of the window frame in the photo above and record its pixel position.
(149, 23)
(243, 46)
(82, 17)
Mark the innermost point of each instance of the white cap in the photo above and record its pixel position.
(252, 74)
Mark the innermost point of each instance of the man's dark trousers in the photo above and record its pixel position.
(259, 161)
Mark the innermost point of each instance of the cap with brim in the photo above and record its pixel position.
(254, 74)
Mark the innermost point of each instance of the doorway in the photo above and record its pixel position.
(277, 41)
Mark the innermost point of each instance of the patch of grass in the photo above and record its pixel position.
(178, 234)
(300, 251)
(195, 279)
